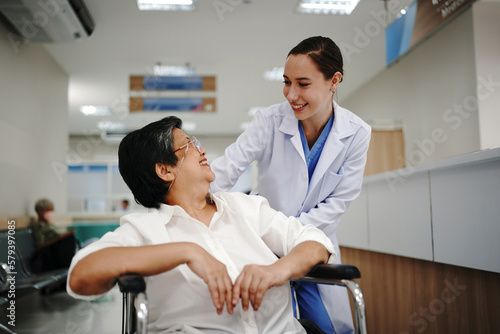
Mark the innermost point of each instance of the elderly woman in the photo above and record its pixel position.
(199, 251)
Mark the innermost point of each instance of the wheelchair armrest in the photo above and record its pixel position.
(334, 271)
(134, 283)
(343, 275)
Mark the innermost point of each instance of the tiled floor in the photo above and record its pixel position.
(58, 313)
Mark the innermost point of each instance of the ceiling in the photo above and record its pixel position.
(232, 39)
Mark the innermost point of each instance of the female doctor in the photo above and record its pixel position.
(311, 154)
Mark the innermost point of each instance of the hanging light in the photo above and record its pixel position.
(332, 7)
(169, 5)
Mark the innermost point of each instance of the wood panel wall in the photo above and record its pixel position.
(405, 295)
(386, 151)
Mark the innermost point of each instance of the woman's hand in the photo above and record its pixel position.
(215, 275)
(253, 282)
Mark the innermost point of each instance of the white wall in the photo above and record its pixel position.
(235, 96)
(84, 149)
(33, 128)
(432, 90)
(487, 53)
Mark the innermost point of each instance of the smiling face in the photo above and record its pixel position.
(310, 95)
(192, 166)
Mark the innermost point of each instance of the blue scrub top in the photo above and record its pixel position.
(312, 155)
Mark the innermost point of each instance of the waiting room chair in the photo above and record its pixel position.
(26, 281)
(133, 287)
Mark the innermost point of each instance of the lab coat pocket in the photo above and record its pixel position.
(330, 181)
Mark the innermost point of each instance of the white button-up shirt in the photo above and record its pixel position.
(244, 230)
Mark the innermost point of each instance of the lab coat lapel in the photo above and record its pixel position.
(333, 146)
(290, 126)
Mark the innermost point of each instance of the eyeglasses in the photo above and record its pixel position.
(197, 145)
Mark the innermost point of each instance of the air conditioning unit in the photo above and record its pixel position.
(48, 21)
(113, 137)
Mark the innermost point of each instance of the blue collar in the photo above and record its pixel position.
(312, 155)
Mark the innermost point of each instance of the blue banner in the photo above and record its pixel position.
(172, 104)
(172, 83)
(398, 34)
(421, 19)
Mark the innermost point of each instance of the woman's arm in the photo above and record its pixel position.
(255, 280)
(239, 155)
(96, 273)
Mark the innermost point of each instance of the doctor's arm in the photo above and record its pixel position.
(96, 273)
(239, 155)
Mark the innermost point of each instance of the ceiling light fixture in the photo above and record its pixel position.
(174, 71)
(173, 5)
(334, 7)
(89, 110)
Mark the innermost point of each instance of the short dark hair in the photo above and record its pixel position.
(323, 52)
(43, 204)
(138, 154)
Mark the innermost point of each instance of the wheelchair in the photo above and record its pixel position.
(133, 288)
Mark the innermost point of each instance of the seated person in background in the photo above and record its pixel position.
(199, 251)
(124, 206)
(54, 250)
(44, 232)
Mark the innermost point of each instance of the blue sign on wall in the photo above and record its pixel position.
(398, 34)
(421, 19)
(172, 104)
(173, 83)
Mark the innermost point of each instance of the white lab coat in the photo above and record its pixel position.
(273, 140)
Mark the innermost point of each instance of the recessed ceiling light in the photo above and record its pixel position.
(89, 110)
(334, 7)
(174, 5)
